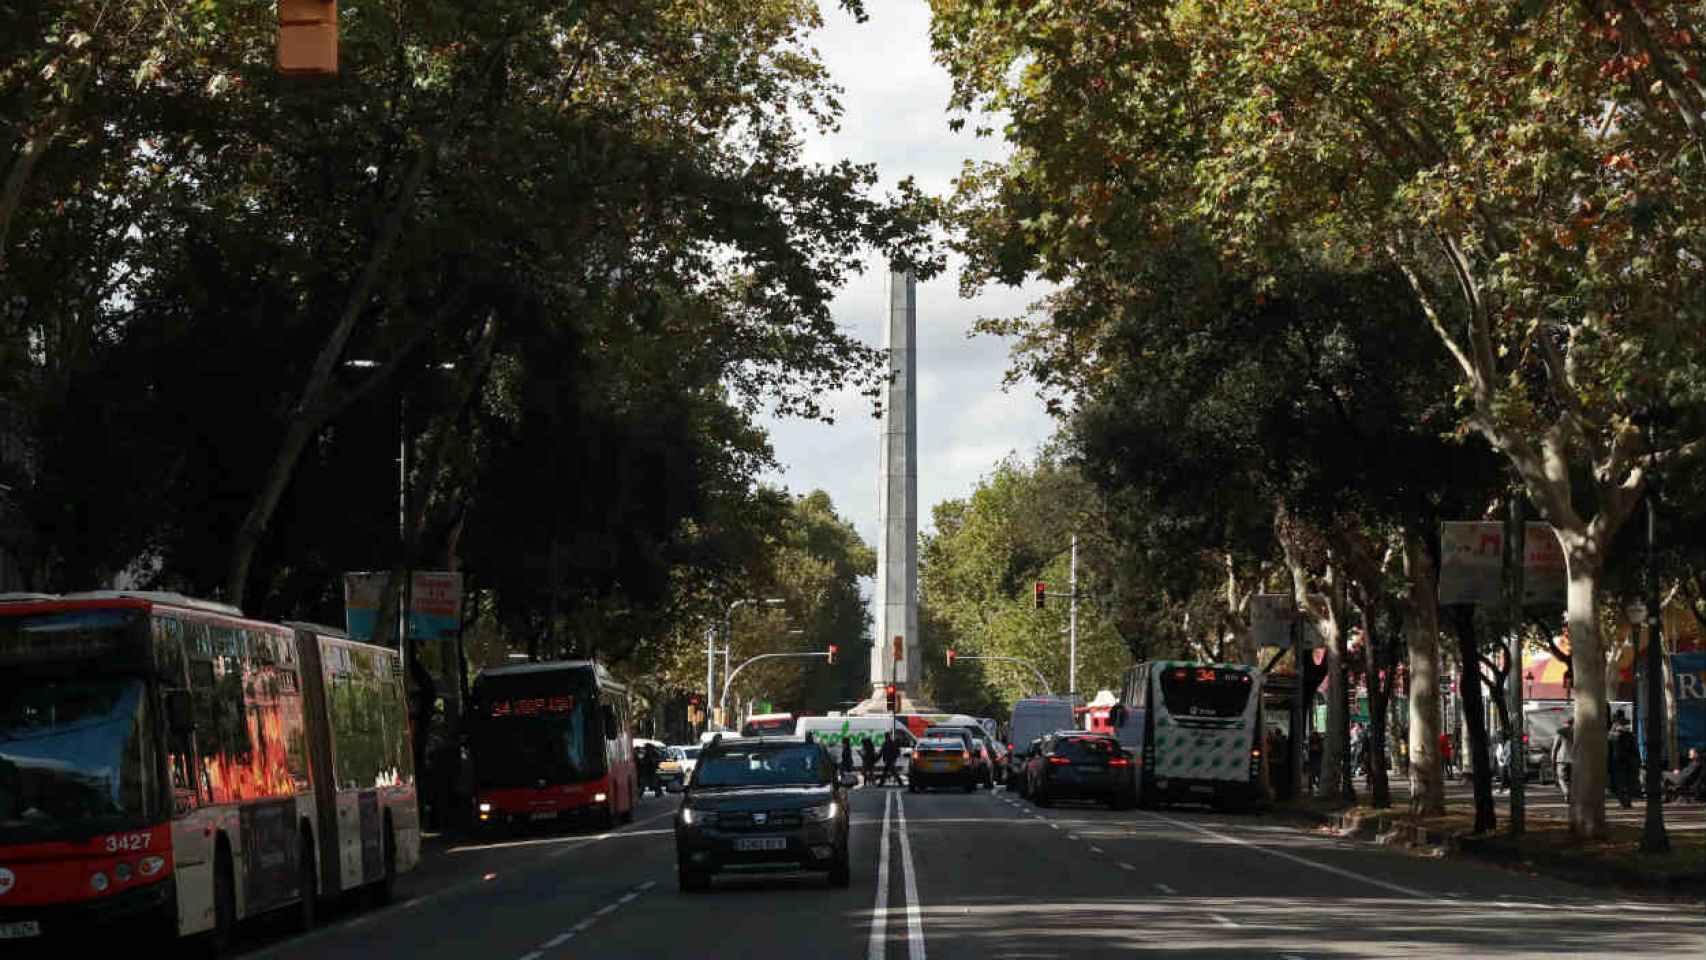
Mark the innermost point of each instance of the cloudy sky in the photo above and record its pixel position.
(895, 100)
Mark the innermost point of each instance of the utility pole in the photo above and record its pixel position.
(1515, 554)
(1072, 626)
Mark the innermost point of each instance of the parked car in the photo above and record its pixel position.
(1074, 764)
(942, 762)
(1017, 761)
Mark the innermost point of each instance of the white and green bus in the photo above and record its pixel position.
(1194, 730)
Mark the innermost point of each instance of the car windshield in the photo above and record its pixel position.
(74, 756)
(764, 765)
(536, 728)
(688, 753)
(941, 743)
(1205, 691)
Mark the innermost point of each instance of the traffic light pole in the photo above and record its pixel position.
(722, 701)
(1072, 626)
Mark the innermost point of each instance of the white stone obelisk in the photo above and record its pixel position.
(897, 500)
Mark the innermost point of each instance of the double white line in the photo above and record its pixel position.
(880, 914)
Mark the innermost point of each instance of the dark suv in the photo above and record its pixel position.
(762, 804)
(1082, 766)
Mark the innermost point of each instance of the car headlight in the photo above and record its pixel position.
(825, 811)
(696, 818)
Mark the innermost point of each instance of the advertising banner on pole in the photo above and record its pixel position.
(434, 619)
(1471, 563)
(1689, 673)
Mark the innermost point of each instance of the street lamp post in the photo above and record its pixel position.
(728, 635)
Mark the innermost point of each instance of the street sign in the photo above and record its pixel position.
(1471, 564)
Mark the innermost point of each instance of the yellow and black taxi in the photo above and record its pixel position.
(763, 804)
(943, 762)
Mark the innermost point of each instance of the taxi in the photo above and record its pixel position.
(942, 762)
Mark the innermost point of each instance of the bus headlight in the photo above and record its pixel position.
(485, 808)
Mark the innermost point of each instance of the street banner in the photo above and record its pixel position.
(1271, 615)
(1689, 673)
(434, 620)
(1471, 564)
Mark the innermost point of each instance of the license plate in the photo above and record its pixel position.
(550, 815)
(751, 844)
(19, 930)
(1200, 788)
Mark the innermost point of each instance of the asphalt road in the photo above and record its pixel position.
(989, 876)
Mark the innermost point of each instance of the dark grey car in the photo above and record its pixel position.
(763, 804)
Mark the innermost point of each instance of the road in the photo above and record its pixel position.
(987, 875)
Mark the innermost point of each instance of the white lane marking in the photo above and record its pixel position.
(1294, 858)
(1164, 888)
(1217, 918)
(558, 941)
(647, 885)
(1095, 849)
(581, 927)
(573, 844)
(1072, 836)
(1052, 826)
(879, 913)
(1126, 866)
(628, 896)
(535, 955)
(914, 915)
(606, 910)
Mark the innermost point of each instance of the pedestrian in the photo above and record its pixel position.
(868, 754)
(1691, 780)
(846, 756)
(648, 761)
(1563, 747)
(1447, 762)
(891, 755)
(1625, 760)
(1502, 760)
(1317, 744)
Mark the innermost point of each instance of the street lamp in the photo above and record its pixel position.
(711, 645)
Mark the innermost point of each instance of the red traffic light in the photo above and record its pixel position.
(1042, 591)
(950, 656)
(832, 651)
(890, 690)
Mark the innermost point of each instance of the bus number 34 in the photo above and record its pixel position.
(128, 841)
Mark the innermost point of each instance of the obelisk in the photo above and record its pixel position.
(897, 500)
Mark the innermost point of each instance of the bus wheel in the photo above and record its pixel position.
(308, 884)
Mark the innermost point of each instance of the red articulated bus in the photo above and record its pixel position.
(169, 767)
(551, 741)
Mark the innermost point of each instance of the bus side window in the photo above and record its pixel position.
(171, 663)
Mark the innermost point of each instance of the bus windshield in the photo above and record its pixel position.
(1204, 691)
(768, 727)
(74, 756)
(536, 728)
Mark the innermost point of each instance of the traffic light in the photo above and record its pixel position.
(950, 656)
(832, 650)
(1042, 591)
(308, 37)
(893, 697)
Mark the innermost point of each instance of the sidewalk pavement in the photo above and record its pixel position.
(1545, 801)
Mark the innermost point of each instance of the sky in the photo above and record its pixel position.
(895, 99)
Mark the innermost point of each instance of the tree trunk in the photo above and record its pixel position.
(1375, 662)
(1336, 740)
(1475, 716)
(1421, 600)
(1581, 614)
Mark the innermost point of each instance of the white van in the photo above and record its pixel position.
(1035, 717)
(830, 731)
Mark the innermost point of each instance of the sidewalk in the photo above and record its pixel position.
(1547, 845)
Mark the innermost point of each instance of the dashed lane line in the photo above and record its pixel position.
(1223, 921)
(1165, 889)
(581, 927)
(1095, 849)
(1126, 866)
